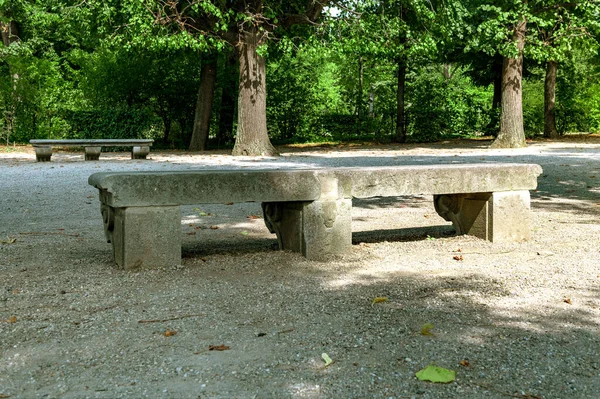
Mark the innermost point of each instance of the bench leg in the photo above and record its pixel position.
(140, 152)
(144, 237)
(92, 153)
(43, 154)
(316, 229)
(496, 217)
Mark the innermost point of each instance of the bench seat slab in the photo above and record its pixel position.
(146, 237)
(496, 217)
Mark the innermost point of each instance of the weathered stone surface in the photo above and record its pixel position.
(43, 154)
(147, 237)
(93, 147)
(140, 152)
(308, 210)
(92, 153)
(437, 179)
(316, 229)
(496, 217)
(206, 187)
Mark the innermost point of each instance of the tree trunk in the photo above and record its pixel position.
(400, 120)
(550, 101)
(252, 137)
(512, 134)
(206, 94)
(228, 94)
(10, 32)
(359, 95)
(492, 126)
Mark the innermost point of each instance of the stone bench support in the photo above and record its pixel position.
(93, 148)
(310, 211)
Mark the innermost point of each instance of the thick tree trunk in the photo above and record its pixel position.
(400, 120)
(252, 137)
(228, 95)
(206, 94)
(512, 134)
(550, 101)
(359, 96)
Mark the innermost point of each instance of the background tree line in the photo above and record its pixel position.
(196, 73)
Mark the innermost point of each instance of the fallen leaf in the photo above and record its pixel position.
(244, 233)
(3, 396)
(436, 374)
(170, 333)
(191, 233)
(229, 203)
(464, 363)
(218, 348)
(567, 300)
(426, 329)
(12, 319)
(380, 299)
(253, 217)
(326, 359)
(9, 240)
(214, 227)
(457, 257)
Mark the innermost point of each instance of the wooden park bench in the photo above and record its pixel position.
(43, 148)
(310, 211)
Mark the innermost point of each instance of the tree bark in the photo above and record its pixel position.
(206, 94)
(359, 95)
(10, 32)
(228, 96)
(550, 101)
(400, 120)
(252, 137)
(512, 134)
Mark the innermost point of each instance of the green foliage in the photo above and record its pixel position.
(446, 105)
(111, 124)
(533, 107)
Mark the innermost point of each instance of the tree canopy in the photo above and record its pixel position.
(198, 74)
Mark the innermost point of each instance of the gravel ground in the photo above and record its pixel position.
(514, 320)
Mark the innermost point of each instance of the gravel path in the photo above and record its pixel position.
(513, 320)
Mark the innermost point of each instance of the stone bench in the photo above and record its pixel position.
(43, 148)
(308, 210)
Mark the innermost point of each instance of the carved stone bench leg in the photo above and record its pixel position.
(92, 153)
(43, 154)
(316, 229)
(144, 237)
(140, 152)
(496, 217)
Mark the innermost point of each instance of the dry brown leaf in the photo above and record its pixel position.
(229, 203)
(457, 257)
(3, 396)
(567, 300)
(170, 333)
(214, 227)
(218, 348)
(253, 217)
(12, 319)
(464, 363)
(191, 233)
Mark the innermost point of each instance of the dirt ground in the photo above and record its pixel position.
(240, 319)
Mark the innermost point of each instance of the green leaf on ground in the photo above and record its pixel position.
(326, 359)
(380, 299)
(426, 329)
(436, 374)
